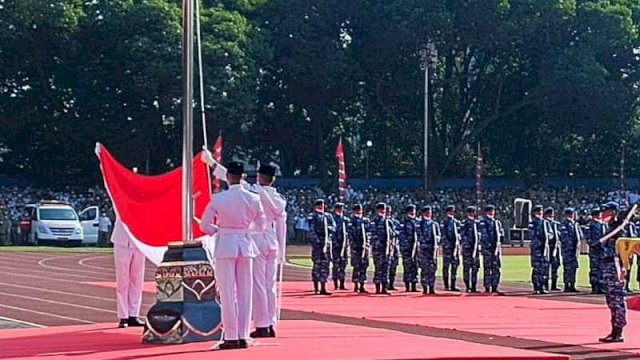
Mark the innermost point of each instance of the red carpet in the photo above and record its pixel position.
(149, 286)
(535, 319)
(299, 339)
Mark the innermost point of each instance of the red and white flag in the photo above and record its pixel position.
(217, 155)
(150, 207)
(342, 174)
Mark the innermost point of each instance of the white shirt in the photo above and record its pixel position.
(104, 223)
(239, 212)
(275, 234)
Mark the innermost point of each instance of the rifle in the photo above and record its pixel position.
(576, 228)
(365, 246)
(556, 237)
(387, 238)
(498, 242)
(546, 239)
(456, 235)
(435, 230)
(344, 239)
(327, 239)
(475, 240)
(415, 241)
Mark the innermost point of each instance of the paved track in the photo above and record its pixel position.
(51, 289)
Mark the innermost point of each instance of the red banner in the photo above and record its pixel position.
(217, 154)
(342, 174)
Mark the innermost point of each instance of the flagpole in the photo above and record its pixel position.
(187, 119)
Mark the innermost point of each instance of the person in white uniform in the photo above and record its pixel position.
(129, 262)
(239, 213)
(271, 246)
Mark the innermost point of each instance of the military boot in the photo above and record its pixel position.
(355, 287)
(323, 289)
(614, 337)
(407, 286)
(378, 289)
(554, 285)
(315, 287)
(335, 284)
(362, 290)
(342, 287)
(414, 287)
(467, 287)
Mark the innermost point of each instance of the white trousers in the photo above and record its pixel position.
(265, 267)
(129, 263)
(234, 284)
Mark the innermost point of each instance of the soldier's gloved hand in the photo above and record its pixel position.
(207, 157)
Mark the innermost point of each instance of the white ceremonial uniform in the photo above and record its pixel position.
(129, 263)
(239, 213)
(271, 245)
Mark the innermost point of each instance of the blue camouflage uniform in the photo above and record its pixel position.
(321, 227)
(381, 238)
(470, 243)
(539, 251)
(492, 238)
(394, 254)
(614, 288)
(428, 241)
(450, 249)
(594, 233)
(409, 249)
(570, 236)
(359, 234)
(340, 248)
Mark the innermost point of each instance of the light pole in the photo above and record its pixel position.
(369, 144)
(428, 58)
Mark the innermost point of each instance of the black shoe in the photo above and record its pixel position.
(230, 344)
(323, 289)
(134, 321)
(414, 287)
(261, 333)
(384, 291)
(242, 344)
(432, 291)
(407, 287)
(362, 290)
(455, 289)
(123, 323)
(542, 292)
(335, 284)
(342, 287)
(315, 287)
(378, 289)
(474, 290)
(425, 291)
(614, 337)
(391, 288)
(487, 290)
(355, 287)
(272, 332)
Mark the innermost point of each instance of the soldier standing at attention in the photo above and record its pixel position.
(470, 236)
(429, 239)
(613, 274)
(450, 249)
(492, 237)
(595, 232)
(321, 226)
(409, 248)
(539, 246)
(381, 238)
(340, 246)
(554, 247)
(394, 253)
(359, 240)
(570, 235)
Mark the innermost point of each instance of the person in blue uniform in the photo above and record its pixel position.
(539, 247)
(428, 240)
(340, 246)
(409, 248)
(595, 230)
(570, 236)
(359, 234)
(321, 227)
(381, 242)
(450, 249)
(470, 240)
(492, 239)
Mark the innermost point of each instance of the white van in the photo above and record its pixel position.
(56, 222)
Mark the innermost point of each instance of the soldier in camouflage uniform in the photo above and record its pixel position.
(595, 231)
(613, 280)
(554, 248)
(394, 254)
(539, 246)
(450, 249)
(359, 240)
(340, 246)
(409, 248)
(570, 237)
(321, 227)
(492, 238)
(470, 240)
(428, 241)
(381, 241)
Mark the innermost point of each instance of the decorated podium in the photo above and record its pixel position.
(626, 247)
(187, 309)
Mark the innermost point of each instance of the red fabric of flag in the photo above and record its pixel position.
(342, 174)
(217, 154)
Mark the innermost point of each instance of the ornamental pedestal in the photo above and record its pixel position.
(187, 308)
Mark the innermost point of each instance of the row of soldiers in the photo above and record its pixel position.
(416, 239)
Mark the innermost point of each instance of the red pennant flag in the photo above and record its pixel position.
(342, 174)
(479, 165)
(217, 154)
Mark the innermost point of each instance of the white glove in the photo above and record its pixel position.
(207, 157)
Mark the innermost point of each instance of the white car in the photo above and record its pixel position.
(56, 222)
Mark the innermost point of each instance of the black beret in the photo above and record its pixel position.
(356, 207)
(595, 211)
(537, 208)
(471, 209)
(235, 168)
(409, 208)
(338, 205)
(569, 211)
(548, 211)
(318, 202)
(450, 208)
(489, 208)
(426, 209)
(381, 206)
(268, 170)
(611, 206)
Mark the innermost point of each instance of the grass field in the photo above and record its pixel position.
(515, 268)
